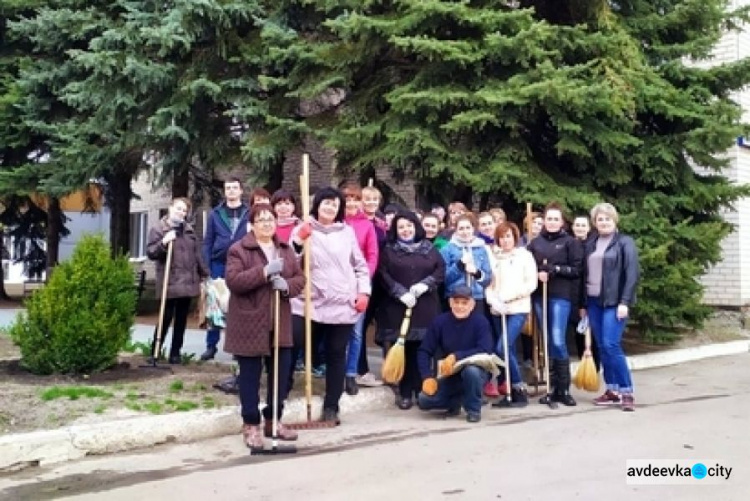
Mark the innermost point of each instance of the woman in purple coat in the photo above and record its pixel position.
(411, 270)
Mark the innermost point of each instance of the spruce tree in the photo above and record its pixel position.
(573, 101)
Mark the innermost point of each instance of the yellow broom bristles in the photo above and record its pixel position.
(393, 365)
(586, 378)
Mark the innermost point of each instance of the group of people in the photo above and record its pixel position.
(467, 280)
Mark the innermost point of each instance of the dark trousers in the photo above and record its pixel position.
(177, 308)
(411, 384)
(335, 338)
(248, 380)
(363, 366)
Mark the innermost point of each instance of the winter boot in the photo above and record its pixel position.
(546, 399)
(562, 387)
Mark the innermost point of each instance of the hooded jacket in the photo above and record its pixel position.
(219, 236)
(454, 271)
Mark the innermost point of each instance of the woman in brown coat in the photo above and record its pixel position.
(257, 266)
(186, 271)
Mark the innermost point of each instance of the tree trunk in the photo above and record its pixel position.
(275, 177)
(181, 183)
(54, 227)
(118, 194)
(3, 294)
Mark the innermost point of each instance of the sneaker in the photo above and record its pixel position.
(609, 397)
(502, 389)
(175, 359)
(368, 380)
(519, 397)
(404, 403)
(319, 372)
(209, 354)
(453, 412)
(490, 389)
(350, 386)
(473, 417)
(628, 402)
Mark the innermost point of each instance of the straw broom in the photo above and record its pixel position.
(586, 377)
(393, 366)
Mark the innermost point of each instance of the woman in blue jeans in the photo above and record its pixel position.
(611, 276)
(514, 279)
(559, 260)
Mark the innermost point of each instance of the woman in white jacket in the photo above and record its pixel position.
(514, 278)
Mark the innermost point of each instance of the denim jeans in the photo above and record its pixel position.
(466, 387)
(608, 330)
(355, 346)
(514, 324)
(558, 311)
(213, 335)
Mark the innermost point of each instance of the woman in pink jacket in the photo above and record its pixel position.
(367, 240)
(340, 282)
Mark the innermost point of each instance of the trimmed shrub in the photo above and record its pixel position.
(80, 321)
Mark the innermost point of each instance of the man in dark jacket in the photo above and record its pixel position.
(454, 336)
(226, 224)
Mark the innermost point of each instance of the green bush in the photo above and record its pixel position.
(81, 320)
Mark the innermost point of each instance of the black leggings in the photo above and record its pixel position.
(411, 384)
(248, 380)
(177, 308)
(335, 338)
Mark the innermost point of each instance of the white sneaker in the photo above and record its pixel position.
(369, 380)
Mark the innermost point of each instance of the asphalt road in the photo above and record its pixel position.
(692, 412)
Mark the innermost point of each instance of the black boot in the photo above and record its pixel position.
(562, 388)
(350, 385)
(519, 397)
(546, 399)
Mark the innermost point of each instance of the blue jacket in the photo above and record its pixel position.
(219, 237)
(449, 335)
(454, 273)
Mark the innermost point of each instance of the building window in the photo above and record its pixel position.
(138, 234)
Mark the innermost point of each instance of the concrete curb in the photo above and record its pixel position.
(21, 450)
(18, 451)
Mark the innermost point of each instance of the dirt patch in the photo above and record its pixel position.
(29, 402)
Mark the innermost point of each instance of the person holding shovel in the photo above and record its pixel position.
(514, 279)
(559, 260)
(184, 276)
(454, 336)
(258, 266)
(411, 270)
(611, 277)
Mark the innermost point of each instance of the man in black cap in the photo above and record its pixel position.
(455, 335)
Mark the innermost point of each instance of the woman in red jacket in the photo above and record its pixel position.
(257, 266)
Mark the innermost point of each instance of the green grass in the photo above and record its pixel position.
(99, 409)
(198, 387)
(208, 403)
(181, 405)
(73, 393)
(176, 386)
(153, 407)
(133, 406)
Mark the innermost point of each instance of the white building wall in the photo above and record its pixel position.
(728, 283)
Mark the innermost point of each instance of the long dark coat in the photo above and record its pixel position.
(187, 268)
(250, 318)
(398, 270)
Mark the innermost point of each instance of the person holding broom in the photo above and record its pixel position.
(452, 337)
(410, 270)
(611, 275)
(559, 260)
(257, 266)
(514, 279)
(184, 276)
(340, 286)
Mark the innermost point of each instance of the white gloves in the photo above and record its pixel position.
(418, 289)
(498, 308)
(408, 299)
